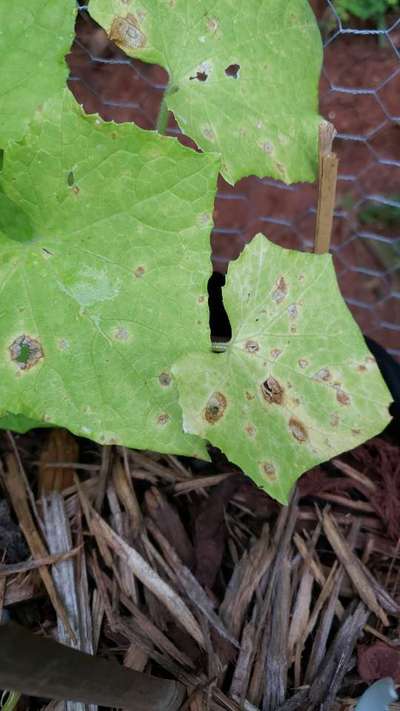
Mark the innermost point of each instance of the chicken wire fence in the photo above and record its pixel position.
(359, 94)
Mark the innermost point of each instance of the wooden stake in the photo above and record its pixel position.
(42, 667)
(328, 166)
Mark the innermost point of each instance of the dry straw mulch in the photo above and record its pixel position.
(188, 571)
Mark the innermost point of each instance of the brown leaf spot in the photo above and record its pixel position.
(272, 391)
(361, 368)
(76, 190)
(275, 353)
(212, 25)
(201, 299)
(215, 408)
(269, 471)
(342, 397)
(139, 271)
(252, 346)
(355, 432)
(25, 351)
(163, 419)
(250, 430)
(164, 379)
(281, 290)
(293, 311)
(126, 33)
(298, 430)
(249, 396)
(334, 419)
(303, 363)
(323, 375)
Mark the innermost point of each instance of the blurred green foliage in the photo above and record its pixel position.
(387, 215)
(365, 9)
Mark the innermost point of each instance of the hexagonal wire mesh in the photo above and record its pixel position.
(359, 93)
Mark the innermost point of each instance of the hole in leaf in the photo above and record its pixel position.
(233, 71)
(200, 76)
(25, 352)
(220, 327)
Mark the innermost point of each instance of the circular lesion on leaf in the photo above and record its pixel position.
(303, 363)
(63, 344)
(252, 346)
(163, 419)
(298, 430)
(26, 351)
(323, 375)
(139, 272)
(275, 353)
(215, 408)
(342, 397)
(268, 470)
(121, 333)
(250, 430)
(272, 391)
(165, 379)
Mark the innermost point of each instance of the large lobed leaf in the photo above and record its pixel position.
(243, 76)
(35, 36)
(103, 277)
(296, 384)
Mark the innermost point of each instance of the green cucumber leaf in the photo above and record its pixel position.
(262, 114)
(35, 36)
(106, 285)
(296, 384)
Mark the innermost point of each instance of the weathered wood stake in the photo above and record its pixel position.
(328, 167)
(43, 667)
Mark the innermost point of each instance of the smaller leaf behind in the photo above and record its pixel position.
(296, 384)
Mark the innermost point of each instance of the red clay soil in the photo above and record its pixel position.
(104, 80)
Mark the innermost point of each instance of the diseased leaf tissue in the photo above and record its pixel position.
(105, 253)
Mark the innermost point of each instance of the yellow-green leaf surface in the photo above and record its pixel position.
(105, 257)
(243, 76)
(35, 36)
(296, 384)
